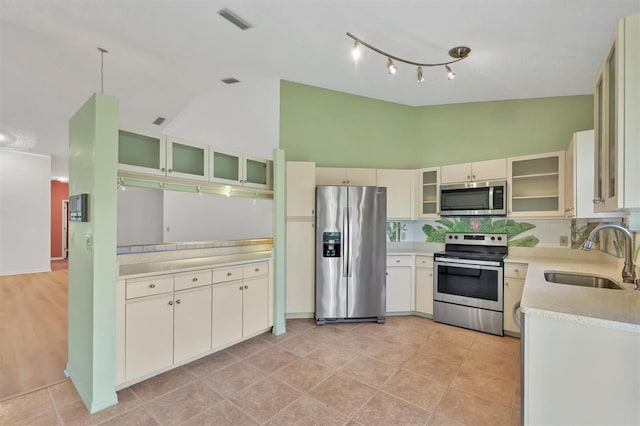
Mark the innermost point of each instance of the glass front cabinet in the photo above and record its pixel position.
(238, 169)
(142, 153)
(428, 193)
(616, 123)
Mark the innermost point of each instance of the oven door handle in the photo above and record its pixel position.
(516, 317)
(461, 263)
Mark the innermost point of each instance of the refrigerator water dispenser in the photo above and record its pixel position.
(331, 244)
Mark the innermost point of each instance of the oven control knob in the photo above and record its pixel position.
(499, 238)
(493, 238)
(456, 237)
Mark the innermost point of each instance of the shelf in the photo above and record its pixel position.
(429, 184)
(537, 175)
(141, 180)
(533, 197)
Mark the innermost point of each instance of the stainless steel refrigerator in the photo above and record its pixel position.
(351, 253)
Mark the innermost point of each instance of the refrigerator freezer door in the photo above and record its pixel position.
(366, 252)
(331, 279)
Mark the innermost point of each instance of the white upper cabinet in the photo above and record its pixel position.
(399, 184)
(187, 160)
(301, 189)
(342, 176)
(477, 171)
(579, 177)
(536, 185)
(428, 194)
(142, 152)
(617, 127)
(235, 168)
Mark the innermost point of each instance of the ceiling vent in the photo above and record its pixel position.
(230, 80)
(158, 121)
(234, 19)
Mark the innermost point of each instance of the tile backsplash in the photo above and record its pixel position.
(539, 233)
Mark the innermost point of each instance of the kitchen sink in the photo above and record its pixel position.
(582, 280)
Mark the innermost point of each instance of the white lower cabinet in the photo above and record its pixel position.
(149, 335)
(399, 284)
(240, 307)
(167, 320)
(254, 306)
(300, 268)
(514, 276)
(227, 314)
(191, 323)
(424, 285)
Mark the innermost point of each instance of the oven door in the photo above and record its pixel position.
(470, 283)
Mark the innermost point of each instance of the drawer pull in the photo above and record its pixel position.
(194, 279)
(246, 287)
(397, 260)
(152, 286)
(170, 302)
(228, 274)
(516, 271)
(178, 301)
(257, 270)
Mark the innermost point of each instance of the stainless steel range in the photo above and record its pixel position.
(468, 288)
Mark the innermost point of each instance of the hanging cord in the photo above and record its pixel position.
(102, 52)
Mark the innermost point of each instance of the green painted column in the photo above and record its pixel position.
(279, 241)
(93, 159)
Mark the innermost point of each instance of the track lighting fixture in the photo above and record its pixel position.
(457, 53)
(392, 68)
(450, 74)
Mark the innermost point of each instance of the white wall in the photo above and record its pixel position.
(192, 217)
(25, 212)
(242, 117)
(140, 216)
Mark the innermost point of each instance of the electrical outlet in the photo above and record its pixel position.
(564, 241)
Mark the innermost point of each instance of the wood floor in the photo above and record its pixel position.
(33, 331)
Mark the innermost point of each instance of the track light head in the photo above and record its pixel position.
(450, 74)
(391, 67)
(420, 77)
(355, 53)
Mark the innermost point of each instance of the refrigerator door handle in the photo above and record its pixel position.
(345, 242)
(348, 228)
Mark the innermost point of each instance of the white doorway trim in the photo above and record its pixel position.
(65, 231)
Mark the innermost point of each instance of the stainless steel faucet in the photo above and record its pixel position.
(629, 269)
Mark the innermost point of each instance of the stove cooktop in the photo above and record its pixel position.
(452, 254)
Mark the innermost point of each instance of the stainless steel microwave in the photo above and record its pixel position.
(474, 199)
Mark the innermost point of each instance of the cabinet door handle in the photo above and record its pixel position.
(170, 302)
(246, 287)
(598, 200)
(170, 170)
(194, 279)
(228, 274)
(468, 177)
(240, 288)
(178, 301)
(474, 176)
(152, 286)
(313, 212)
(163, 170)
(257, 270)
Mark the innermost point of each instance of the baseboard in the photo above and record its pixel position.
(299, 315)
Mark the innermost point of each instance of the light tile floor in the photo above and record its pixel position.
(409, 371)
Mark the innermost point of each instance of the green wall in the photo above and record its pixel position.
(93, 158)
(338, 129)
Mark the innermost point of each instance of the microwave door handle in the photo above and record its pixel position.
(491, 198)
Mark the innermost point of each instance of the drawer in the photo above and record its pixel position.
(399, 261)
(221, 275)
(424, 261)
(255, 269)
(192, 279)
(139, 287)
(515, 270)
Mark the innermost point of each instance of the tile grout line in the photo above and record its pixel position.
(55, 407)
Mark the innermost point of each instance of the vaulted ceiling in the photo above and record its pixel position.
(163, 53)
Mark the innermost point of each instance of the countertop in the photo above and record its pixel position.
(618, 309)
(183, 265)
